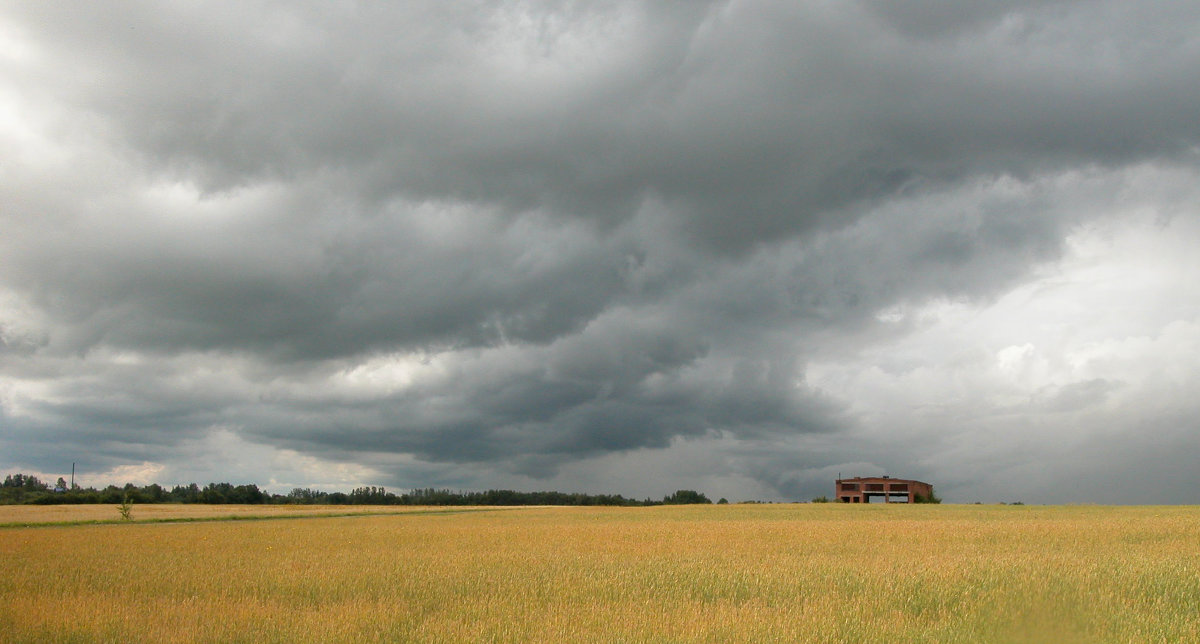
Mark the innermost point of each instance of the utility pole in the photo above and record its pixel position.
(72, 476)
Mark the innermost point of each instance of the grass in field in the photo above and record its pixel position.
(784, 573)
(30, 515)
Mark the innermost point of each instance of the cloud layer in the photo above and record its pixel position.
(635, 247)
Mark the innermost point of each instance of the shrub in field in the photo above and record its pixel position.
(126, 508)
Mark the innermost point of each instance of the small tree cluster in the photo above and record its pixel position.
(685, 497)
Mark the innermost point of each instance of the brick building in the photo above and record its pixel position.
(862, 489)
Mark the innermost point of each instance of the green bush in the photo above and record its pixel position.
(126, 508)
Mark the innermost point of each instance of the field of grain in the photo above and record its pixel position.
(38, 514)
(749, 573)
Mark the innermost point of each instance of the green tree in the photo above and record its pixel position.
(685, 497)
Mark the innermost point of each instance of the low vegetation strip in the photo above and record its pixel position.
(762, 573)
(91, 514)
(29, 489)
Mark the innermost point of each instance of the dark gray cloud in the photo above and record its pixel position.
(481, 242)
(778, 114)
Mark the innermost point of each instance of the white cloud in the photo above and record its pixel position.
(278, 470)
(1096, 346)
(143, 473)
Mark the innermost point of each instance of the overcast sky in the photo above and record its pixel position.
(620, 247)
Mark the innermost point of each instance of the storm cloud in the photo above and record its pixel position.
(621, 247)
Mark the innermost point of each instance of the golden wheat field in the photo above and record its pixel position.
(737, 573)
(41, 514)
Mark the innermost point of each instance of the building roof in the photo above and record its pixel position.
(883, 478)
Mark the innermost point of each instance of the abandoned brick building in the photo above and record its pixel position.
(862, 489)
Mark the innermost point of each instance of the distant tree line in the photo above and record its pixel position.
(27, 489)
